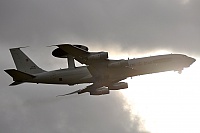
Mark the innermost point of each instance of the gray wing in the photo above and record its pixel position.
(89, 88)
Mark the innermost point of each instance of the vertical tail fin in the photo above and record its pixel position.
(23, 63)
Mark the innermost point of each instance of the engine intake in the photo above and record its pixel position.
(118, 86)
(100, 91)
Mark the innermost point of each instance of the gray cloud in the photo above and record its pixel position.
(28, 109)
(139, 24)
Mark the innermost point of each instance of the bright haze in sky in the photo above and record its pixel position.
(156, 103)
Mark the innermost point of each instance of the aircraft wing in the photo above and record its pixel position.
(69, 93)
(79, 54)
(98, 88)
(89, 88)
(96, 61)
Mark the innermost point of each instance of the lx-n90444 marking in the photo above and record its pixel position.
(104, 74)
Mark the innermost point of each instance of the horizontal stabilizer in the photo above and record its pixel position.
(15, 83)
(18, 75)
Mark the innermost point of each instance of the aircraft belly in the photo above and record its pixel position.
(116, 74)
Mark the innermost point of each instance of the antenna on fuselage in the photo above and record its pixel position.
(59, 53)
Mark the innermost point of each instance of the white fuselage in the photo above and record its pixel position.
(139, 66)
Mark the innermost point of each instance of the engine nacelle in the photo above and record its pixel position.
(98, 56)
(118, 86)
(100, 91)
(121, 63)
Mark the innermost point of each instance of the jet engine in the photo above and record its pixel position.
(118, 86)
(100, 91)
(98, 56)
(120, 63)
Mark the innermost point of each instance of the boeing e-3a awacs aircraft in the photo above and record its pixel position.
(104, 74)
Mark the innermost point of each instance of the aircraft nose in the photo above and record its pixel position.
(188, 61)
(191, 60)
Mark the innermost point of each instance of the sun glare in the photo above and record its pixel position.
(167, 101)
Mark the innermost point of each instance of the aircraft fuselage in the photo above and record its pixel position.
(104, 74)
(135, 67)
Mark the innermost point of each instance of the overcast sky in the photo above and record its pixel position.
(128, 25)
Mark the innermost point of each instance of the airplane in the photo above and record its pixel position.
(105, 74)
